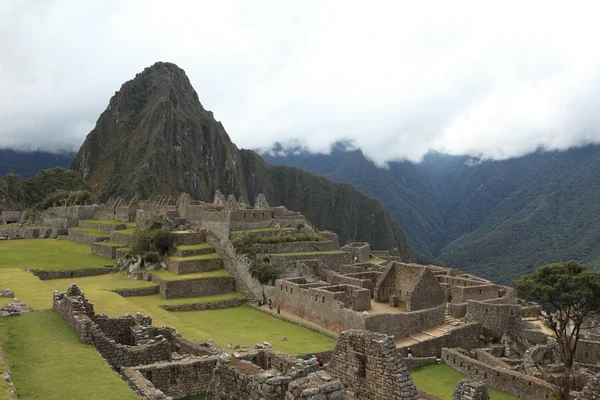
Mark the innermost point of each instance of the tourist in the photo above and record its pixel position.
(270, 304)
(320, 359)
(278, 310)
(409, 352)
(365, 313)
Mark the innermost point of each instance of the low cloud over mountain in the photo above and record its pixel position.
(395, 78)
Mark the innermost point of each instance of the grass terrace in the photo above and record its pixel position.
(129, 231)
(201, 246)
(48, 361)
(209, 256)
(308, 253)
(440, 380)
(89, 231)
(48, 254)
(375, 260)
(169, 276)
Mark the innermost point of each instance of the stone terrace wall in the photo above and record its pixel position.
(141, 386)
(496, 319)
(522, 386)
(370, 366)
(195, 287)
(76, 273)
(403, 324)
(83, 237)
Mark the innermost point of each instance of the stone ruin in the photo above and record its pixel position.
(158, 363)
(471, 390)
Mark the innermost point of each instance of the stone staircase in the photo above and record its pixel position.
(449, 324)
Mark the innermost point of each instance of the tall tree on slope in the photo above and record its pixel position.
(569, 294)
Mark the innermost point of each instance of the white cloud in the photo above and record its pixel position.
(395, 77)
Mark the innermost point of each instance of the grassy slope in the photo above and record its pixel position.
(224, 326)
(50, 362)
(48, 254)
(5, 393)
(440, 380)
(169, 276)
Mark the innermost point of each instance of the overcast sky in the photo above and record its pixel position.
(491, 79)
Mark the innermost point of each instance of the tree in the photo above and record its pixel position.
(569, 294)
(263, 271)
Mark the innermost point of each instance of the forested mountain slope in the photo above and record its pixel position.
(496, 218)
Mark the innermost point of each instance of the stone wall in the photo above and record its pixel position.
(232, 302)
(360, 251)
(26, 232)
(195, 287)
(370, 366)
(103, 250)
(522, 386)
(588, 352)
(467, 389)
(591, 391)
(466, 336)
(79, 236)
(146, 291)
(79, 314)
(59, 223)
(413, 284)
(72, 212)
(186, 266)
(75, 273)
(290, 247)
(141, 386)
(332, 260)
(181, 378)
(403, 324)
(418, 362)
(496, 319)
(120, 237)
(325, 308)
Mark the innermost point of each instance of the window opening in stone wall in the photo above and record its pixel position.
(586, 353)
(316, 297)
(362, 368)
(530, 383)
(281, 287)
(461, 364)
(485, 375)
(263, 215)
(253, 215)
(244, 215)
(286, 289)
(476, 371)
(468, 367)
(513, 378)
(511, 312)
(480, 291)
(291, 290)
(486, 310)
(323, 299)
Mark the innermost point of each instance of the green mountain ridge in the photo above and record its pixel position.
(156, 138)
(498, 219)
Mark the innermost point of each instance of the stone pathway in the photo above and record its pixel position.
(449, 324)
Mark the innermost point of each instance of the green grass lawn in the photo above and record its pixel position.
(129, 231)
(169, 276)
(5, 393)
(375, 260)
(308, 253)
(209, 256)
(48, 254)
(440, 380)
(48, 361)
